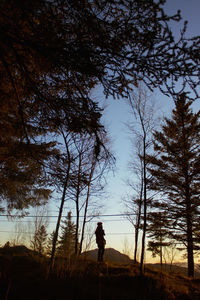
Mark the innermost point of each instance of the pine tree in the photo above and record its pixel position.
(40, 239)
(176, 173)
(66, 245)
(50, 243)
(157, 233)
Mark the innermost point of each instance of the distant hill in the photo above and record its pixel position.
(16, 250)
(180, 268)
(110, 255)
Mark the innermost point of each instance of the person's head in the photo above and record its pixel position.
(99, 224)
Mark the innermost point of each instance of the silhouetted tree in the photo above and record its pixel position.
(143, 112)
(66, 243)
(50, 243)
(157, 224)
(134, 202)
(87, 178)
(175, 170)
(61, 174)
(131, 39)
(54, 52)
(23, 178)
(40, 239)
(40, 220)
(97, 169)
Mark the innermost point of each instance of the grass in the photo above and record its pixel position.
(24, 277)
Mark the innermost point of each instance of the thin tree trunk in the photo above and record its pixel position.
(138, 223)
(77, 229)
(190, 255)
(77, 204)
(189, 242)
(136, 243)
(145, 209)
(86, 207)
(84, 221)
(55, 237)
(161, 253)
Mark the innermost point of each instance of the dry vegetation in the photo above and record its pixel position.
(25, 276)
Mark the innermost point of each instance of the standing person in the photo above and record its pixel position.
(100, 240)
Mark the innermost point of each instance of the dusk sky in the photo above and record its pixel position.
(118, 229)
(116, 114)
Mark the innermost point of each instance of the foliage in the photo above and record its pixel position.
(40, 239)
(50, 243)
(176, 172)
(104, 41)
(54, 52)
(157, 232)
(66, 246)
(23, 180)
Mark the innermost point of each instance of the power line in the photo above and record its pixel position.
(109, 233)
(91, 216)
(53, 222)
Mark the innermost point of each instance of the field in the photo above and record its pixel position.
(25, 276)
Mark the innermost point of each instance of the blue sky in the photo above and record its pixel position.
(118, 230)
(116, 115)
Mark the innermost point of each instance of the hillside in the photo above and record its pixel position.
(179, 268)
(25, 276)
(110, 255)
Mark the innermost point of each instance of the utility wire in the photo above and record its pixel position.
(53, 222)
(91, 216)
(109, 233)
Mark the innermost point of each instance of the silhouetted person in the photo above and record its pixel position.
(100, 240)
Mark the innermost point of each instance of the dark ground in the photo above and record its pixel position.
(25, 277)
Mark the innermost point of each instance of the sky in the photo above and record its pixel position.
(116, 114)
(119, 231)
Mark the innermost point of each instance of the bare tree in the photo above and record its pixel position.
(143, 112)
(134, 202)
(170, 253)
(60, 171)
(72, 171)
(19, 237)
(88, 180)
(127, 248)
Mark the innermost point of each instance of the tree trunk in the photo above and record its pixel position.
(161, 252)
(189, 217)
(190, 257)
(77, 229)
(77, 204)
(145, 207)
(138, 223)
(55, 237)
(136, 243)
(189, 242)
(86, 207)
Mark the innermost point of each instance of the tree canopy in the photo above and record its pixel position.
(175, 170)
(53, 53)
